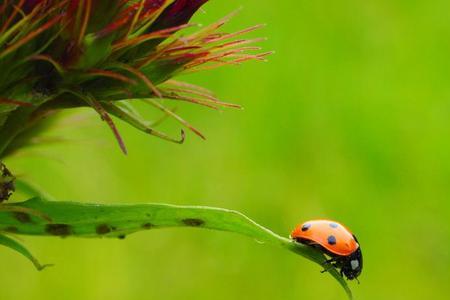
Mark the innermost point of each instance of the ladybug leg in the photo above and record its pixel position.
(329, 261)
(328, 267)
(328, 264)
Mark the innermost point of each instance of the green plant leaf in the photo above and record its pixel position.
(16, 246)
(102, 220)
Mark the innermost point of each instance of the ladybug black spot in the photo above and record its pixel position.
(306, 226)
(333, 225)
(331, 240)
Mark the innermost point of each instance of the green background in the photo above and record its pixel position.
(349, 120)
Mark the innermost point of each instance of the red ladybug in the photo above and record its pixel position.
(334, 240)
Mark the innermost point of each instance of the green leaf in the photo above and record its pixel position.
(101, 220)
(16, 246)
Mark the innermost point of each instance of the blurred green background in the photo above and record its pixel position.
(349, 120)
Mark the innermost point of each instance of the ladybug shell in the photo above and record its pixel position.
(331, 235)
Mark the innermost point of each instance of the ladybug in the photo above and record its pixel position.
(334, 240)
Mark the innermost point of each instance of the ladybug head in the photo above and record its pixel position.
(353, 264)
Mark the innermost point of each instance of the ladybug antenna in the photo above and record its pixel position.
(357, 280)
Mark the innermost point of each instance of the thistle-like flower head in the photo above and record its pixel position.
(106, 54)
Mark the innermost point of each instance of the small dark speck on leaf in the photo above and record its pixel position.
(58, 229)
(103, 229)
(122, 236)
(193, 222)
(11, 229)
(22, 217)
(147, 225)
